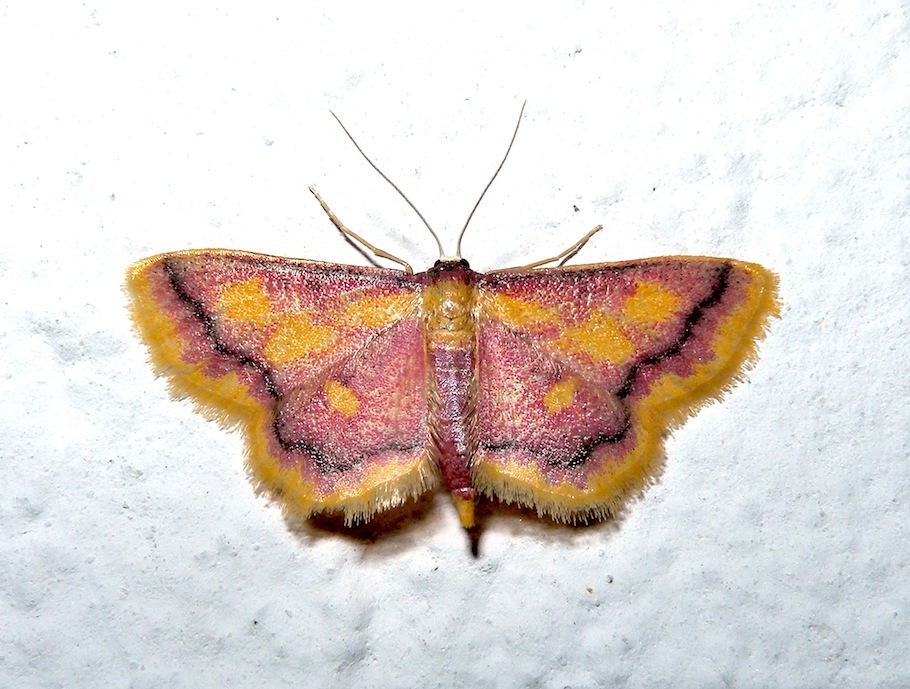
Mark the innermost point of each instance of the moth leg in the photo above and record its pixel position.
(568, 253)
(356, 237)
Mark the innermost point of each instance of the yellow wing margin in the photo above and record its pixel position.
(228, 400)
(668, 404)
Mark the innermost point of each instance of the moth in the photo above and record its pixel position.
(361, 388)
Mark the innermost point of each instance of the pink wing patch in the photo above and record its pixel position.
(582, 371)
(324, 364)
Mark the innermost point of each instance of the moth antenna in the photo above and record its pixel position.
(394, 186)
(353, 235)
(568, 253)
(490, 183)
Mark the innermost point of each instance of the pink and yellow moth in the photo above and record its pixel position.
(361, 388)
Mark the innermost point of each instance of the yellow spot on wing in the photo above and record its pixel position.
(561, 395)
(517, 313)
(341, 398)
(651, 304)
(246, 301)
(599, 337)
(377, 311)
(296, 337)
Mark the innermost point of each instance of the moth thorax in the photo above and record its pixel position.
(449, 312)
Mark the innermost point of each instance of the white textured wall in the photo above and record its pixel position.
(774, 550)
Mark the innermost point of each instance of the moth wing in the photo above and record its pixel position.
(582, 371)
(322, 364)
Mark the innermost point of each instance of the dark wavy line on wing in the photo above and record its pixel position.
(328, 464)
(576, 460)
(584, 453)
(696, 314)
(208, 323)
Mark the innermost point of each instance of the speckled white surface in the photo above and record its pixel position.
(774, 550)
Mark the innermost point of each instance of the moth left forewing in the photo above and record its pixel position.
(583, 370)
(320, 363)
